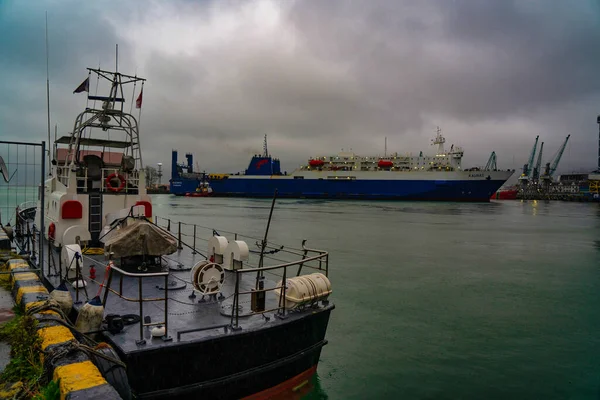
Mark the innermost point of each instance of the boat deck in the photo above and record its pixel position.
(190, 316)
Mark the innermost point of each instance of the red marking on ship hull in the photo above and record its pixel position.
(294, 388)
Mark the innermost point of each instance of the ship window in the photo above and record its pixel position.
(298, 177)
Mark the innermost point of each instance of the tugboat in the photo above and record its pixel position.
(203, 190)
(186, 322)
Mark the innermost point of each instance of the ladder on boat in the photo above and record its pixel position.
(95, 216)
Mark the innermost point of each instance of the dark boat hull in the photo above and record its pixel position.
(215, 368)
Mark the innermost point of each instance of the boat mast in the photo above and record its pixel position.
(55, 138)
(265, 148)
(439, 140)
(385, 148)
(48, 93)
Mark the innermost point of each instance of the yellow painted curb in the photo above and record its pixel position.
(77, 376)
(24, 276)
(29, 289)
(54, 335)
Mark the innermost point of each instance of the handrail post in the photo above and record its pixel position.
(236, 301)
(141, 300)
(60, 265)
(166, 337)
(49, 257)
(194, 246)
(76, 278)
(156, 220)
(29, 238)
(179, 246)
(284, 284)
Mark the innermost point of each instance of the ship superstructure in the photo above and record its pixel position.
(348, 161)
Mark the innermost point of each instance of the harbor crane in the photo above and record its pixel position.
(538, 165)
(551, 166)
(491, 164)
(524, 178)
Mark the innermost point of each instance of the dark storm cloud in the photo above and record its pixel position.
(318, 76)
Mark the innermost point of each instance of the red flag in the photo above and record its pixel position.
(138, 102)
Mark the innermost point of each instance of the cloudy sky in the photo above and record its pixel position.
(317, 76)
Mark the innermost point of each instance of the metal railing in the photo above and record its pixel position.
(321, 256)
(28, 234)
(25, 167)
(132, 179)
(27, 239)
(307, 256)
(140, 277)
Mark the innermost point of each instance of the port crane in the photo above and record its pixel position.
(538, 165)
(491, 164)
(551, 166)
(524, 178)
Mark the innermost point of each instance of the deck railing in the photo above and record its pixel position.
(316, 260)
(305, 258)
(322, 257)
(132, 179)
(140, 277)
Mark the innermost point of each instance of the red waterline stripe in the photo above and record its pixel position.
(291, 385)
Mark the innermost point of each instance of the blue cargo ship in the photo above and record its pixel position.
(346, 175)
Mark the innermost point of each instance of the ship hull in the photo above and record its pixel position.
(277, 359)
(505, 194)
(454, 187)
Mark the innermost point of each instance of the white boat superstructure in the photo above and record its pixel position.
(97, 173)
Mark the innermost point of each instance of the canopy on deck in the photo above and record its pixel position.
(138, 237)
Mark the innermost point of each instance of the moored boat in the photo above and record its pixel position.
(186, 322)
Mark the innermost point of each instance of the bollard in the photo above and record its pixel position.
(169, 225)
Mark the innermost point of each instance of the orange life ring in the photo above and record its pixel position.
(110, 187)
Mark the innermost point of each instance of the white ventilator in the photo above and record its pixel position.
(235, 254)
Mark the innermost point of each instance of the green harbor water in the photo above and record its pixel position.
(443, 300)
